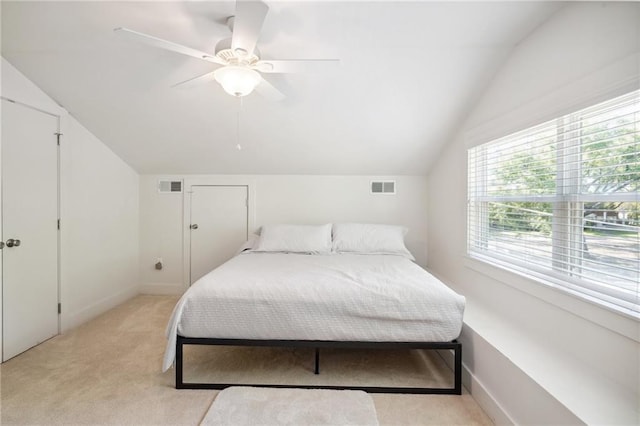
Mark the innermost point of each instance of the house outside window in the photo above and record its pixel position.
(560, 202)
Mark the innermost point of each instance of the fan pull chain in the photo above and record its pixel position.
(238, 146)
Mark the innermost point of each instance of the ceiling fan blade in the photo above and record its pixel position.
(196, 81)
(269, 91)
(297, 65)
(247, 24)
(167, 45)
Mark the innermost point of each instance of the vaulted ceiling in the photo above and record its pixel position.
(408, 74)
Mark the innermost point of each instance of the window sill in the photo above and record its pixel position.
(591, 397)
(616, 321)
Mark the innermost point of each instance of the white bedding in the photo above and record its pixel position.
(340, 297)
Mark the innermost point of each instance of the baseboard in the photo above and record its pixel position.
(71, 320)
(485, 400)
(479, 392)
(162, 289)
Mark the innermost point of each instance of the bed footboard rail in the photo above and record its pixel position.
(454, 345)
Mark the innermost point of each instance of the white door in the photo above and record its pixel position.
(219, 225)
(29, 228)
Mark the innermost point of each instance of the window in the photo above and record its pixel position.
(561, 202)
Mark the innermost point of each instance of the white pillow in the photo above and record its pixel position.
(364, 238)
(313, 239)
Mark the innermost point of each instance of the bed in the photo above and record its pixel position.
(318, 296)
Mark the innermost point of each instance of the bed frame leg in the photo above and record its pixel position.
(317, 367)
(179, 360)
(458, 368)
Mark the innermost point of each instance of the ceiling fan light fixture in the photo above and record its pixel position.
(237, 81)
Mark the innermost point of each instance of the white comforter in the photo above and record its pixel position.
(317, 297)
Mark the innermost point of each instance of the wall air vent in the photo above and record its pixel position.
(165, 186)
(387, 187)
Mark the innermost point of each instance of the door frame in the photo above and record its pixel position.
(187, 190)
(57, 134)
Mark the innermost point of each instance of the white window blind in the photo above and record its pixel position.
(561, 202)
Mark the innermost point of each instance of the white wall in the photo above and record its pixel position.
(560, 360)
(99, 233)
(99, 213)
(278, 199)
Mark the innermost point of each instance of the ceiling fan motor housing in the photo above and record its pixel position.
(227, 54)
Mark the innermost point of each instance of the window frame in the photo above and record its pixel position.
(569, 201)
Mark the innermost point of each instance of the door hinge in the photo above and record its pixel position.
(59, 308)
(58, 224)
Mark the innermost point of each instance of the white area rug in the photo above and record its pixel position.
(271, 406)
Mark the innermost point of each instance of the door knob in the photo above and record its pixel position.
(194, 226)
(12, 243)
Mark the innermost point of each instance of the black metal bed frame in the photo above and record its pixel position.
(318, 344)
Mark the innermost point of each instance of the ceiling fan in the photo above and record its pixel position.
(241, 63)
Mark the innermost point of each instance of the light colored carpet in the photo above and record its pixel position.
(108, 371)
(243, 406)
